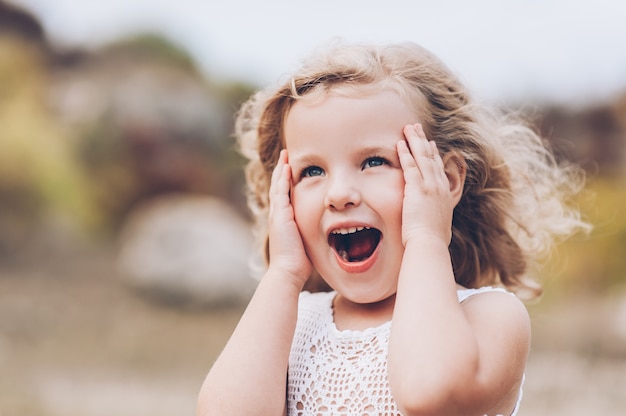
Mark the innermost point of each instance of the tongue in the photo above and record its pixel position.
(361, 248)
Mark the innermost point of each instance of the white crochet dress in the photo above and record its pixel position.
(341, 373)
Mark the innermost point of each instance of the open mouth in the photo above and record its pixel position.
(354, 244)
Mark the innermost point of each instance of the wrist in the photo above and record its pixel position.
(427, 239)
(430, 259)
(287, 278)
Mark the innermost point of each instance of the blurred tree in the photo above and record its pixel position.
(149, 123)
(18, 22)
(594, 137)
(39, 174)
(594, 263)
(154, 47)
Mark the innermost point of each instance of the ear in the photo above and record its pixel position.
(456, 169)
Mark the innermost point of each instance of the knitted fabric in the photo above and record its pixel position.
(340, 373)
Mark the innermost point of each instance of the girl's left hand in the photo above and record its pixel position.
(428, 201)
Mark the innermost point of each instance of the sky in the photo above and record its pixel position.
(569, 51)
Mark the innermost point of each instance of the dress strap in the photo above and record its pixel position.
(464, 294)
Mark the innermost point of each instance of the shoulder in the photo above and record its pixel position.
(492, 299)
(498, 315)
(501, 325)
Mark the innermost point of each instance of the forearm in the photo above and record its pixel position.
(432, 348)
(249, 377)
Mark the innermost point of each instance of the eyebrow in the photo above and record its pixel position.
(311, 159)
(304, 160)
(377, 149)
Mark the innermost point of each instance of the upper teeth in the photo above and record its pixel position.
(350, 230)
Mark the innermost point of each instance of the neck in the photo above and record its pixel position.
(360, 316)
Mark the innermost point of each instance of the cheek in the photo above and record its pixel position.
(304, 208)
(390, 194)
(393, 207)
(390, 205)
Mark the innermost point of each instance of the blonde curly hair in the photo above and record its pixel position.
(515, 202)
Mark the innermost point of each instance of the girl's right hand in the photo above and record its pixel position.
(287, 255)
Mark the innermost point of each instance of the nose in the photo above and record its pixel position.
(342, 193)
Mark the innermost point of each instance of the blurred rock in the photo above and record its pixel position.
(188, 250)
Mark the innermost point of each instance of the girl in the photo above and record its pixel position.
(372, 172)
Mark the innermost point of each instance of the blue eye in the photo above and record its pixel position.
(312, 171)
(373, 162)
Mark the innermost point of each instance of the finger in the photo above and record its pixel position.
(424, 143)
(440, 167)
(409, 166)
(282, 159)
(436, 155)
(280, 183)
(420, 146)
(422, 151)
(414, 141)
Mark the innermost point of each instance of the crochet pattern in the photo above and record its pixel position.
(340, 373)
(334, 372)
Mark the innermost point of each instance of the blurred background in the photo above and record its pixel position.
(125, 243)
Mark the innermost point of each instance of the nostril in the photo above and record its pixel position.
(342, 198)
(339, 205)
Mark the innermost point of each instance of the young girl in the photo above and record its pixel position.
(373, 172)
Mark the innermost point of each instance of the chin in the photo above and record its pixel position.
(364, 294)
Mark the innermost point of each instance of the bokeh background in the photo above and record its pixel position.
(125, 243)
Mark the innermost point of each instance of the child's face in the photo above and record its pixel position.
(348, 189)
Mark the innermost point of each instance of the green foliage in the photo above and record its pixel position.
(155, 46)
(595, 262)
(38, 171)
(88, 173)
